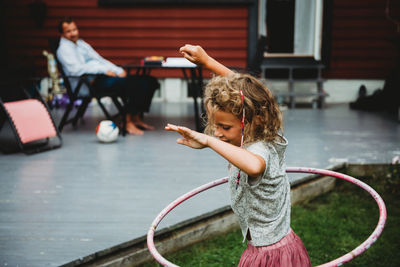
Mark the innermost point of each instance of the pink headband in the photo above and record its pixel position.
(241, 142)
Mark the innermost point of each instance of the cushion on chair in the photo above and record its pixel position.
(31, 120)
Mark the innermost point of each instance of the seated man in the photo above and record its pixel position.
(78, 57)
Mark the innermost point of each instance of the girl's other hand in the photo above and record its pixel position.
(190, 138)
(195, 54)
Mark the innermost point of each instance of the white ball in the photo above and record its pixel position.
(107, 131)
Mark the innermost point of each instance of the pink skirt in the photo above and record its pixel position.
(289, 251)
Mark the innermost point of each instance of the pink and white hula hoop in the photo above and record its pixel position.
(337, 262)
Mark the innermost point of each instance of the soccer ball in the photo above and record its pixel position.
(107, 131)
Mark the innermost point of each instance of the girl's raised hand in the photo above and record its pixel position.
(190, 138)
(198, 55)
(195, 54)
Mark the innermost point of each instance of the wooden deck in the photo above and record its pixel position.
(64, 204)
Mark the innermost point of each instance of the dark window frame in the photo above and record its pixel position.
(289, 58)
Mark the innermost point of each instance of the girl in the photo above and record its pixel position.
(246, 125)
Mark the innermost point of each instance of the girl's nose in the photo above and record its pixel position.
(217, 133)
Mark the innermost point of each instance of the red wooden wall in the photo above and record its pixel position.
(126, 34)
(360, 46)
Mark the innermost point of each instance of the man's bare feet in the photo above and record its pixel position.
(139, 123)
(132, 129)
(144, 125)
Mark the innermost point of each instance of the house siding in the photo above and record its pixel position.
(127, 34)
(360, 40)
(360, 46)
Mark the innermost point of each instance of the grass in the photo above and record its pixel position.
(329, 226)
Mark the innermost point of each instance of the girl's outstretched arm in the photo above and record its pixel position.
(197, 55)
(190, 138)
(252, 164)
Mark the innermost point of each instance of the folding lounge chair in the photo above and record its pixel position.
(74, 94)
(27, 125)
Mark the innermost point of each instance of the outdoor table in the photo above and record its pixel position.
(192, 74)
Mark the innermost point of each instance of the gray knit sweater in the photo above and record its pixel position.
(263, 207)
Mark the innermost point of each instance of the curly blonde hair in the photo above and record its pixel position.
(263, 118)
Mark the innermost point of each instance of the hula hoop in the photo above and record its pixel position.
(337, 262)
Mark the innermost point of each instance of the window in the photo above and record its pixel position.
(293, 28)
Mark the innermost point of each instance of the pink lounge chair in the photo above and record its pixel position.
(27, 125)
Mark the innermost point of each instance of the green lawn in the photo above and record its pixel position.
(330, 226)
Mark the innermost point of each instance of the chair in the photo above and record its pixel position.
(73, 93)
(26, 123)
